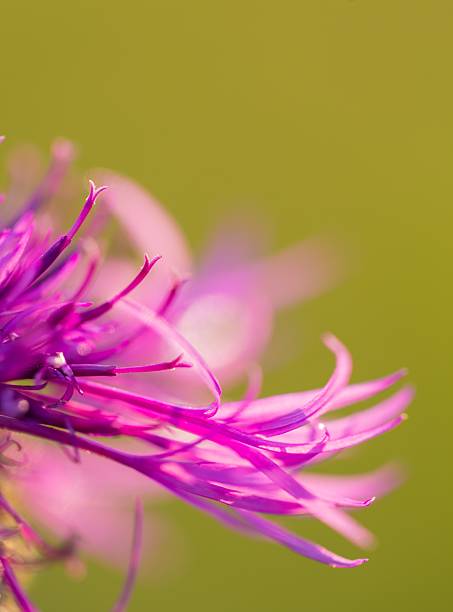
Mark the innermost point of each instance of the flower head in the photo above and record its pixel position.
(73, 370)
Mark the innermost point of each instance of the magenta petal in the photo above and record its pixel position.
(9, 578)
(373, 417)
(278, 405)
(256, 525)
(338, 380)
(134, 562)
(296, 543)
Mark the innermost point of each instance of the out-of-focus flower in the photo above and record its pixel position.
(227, 308)
(239, 461)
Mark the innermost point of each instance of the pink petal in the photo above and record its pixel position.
(299, 273)
(357, 486)
(278, 405)
(149, 226)
(87, 499)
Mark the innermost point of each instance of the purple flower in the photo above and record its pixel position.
(158, 409)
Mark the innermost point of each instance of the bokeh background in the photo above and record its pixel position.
(329, 116)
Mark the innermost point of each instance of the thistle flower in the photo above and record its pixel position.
(238, 461)
(226, 311)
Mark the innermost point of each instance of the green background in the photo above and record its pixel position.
(319, 116)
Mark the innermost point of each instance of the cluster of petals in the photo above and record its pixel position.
(104, 361)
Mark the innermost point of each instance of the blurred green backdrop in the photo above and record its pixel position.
(320, 116)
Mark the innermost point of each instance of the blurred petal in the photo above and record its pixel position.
(91, 500)
(301, 272)
(360, 486)
(148, 225)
